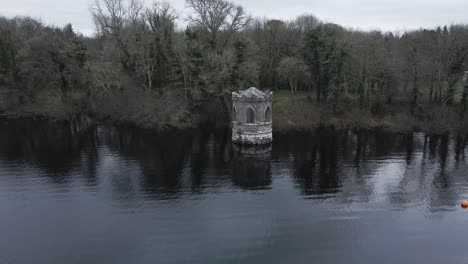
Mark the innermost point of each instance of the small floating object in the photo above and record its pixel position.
(464, 203)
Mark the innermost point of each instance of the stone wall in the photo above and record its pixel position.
(240, 110)
(252, 138)
(252, 128)
(259, 131)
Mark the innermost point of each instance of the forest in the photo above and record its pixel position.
(150, 66)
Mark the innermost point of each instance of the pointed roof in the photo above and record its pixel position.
(252, 93)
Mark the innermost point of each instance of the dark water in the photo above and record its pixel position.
(120, 195)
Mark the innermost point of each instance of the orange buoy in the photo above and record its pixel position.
(464, 203)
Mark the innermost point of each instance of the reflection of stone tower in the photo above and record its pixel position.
(251, 167)
(251, 122)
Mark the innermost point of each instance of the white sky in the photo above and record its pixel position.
(388, 15)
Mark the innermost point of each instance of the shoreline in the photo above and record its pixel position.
(337, 122)
(290, 113)
(302, 113)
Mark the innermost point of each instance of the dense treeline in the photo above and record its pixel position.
(142, 67)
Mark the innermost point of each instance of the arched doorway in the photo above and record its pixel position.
(268, 114)
(250, 116)
(234, 114)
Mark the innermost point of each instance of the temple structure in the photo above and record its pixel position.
(251, 120)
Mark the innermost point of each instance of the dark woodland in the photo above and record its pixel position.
(152, 67)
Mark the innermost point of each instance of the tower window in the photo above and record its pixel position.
(268, 114)
(250, 116)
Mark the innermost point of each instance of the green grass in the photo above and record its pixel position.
(285, 95)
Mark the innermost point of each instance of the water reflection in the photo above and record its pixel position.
(251, 167)
(314, 161)
(174, 196)
(363, 166)
(57, 148)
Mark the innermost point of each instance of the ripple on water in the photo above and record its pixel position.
(119, 195)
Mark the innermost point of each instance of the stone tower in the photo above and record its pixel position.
(251, 118)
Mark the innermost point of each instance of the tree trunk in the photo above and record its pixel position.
(362, 92)
(451, 91)
(464, 97)
(318, 77)
(431, 92)
(318, 91)
(185, 84)
(415, 87)
(150, 80)
(405, 85)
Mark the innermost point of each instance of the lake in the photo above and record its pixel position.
(126, 195)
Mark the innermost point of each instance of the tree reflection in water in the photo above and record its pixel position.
(406, 170)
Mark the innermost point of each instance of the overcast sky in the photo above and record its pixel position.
(388, 15)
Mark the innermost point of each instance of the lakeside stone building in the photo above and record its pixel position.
(251, 120)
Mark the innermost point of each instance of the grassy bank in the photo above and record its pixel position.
(299, 111)
(130, 106)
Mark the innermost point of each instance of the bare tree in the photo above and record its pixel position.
(306, 22)
(183, 61)
(294, 71)
(215, 17)
(111, 18)
(156, 41)
(105, 77)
